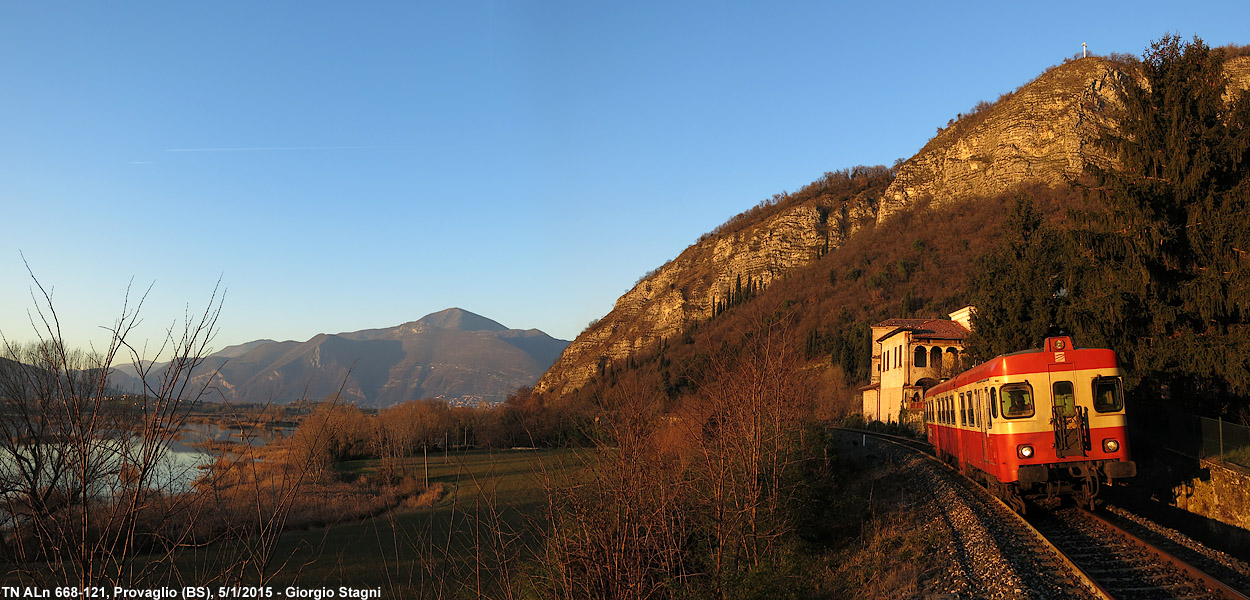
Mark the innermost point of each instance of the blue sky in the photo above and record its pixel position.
(343, 166)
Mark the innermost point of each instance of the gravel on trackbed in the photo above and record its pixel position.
(975, 550)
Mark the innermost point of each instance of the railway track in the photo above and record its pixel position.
(1072, 552)
(1124, 566)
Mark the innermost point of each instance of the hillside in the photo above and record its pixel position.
(452, 354)
(1038, 137)
(750, 251)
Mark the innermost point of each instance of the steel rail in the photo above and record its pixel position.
(1220, 588)
(1090, 583)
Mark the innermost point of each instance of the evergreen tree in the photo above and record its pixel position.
(1166, 279)
(1020, 292)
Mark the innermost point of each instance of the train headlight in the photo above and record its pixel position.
(1024, 451)
(1110, 445)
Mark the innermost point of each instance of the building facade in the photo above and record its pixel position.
(908, 357)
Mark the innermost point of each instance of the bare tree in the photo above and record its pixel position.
(749, 417)
(89, 493)
(617, 529)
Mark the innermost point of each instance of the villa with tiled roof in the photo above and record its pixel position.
(908, 357)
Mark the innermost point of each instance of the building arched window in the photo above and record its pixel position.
(935, 357)
(952, 359)
(921, 357)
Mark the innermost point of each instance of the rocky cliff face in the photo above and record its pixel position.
(1042, 132)
(1238, 70)
(686, 289)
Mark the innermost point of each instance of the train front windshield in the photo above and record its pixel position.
(1017, 401)
(1107, 396)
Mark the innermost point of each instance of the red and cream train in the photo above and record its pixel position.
(1037, 422)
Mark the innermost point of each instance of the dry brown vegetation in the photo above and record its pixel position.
(86, 489)
(693, 498)
(703, 471)
(710, 475)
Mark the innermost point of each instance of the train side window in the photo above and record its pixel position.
(974, 398)
(1017, 400)
(993, 405)
(1064, 398)
(963, 410)
(1107, 394)
(972, 408)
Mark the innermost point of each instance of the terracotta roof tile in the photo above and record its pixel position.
(941, 329)
(902, 322)
(925, 329)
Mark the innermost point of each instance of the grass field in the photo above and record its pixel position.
(481, 530)
(484, 532)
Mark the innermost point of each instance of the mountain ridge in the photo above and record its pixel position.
(452, 354)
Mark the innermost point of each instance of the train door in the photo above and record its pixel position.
(991, 415)
(1068, 420)
(983, 424)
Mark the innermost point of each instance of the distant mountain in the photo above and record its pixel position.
(240, 349)
(463, 320)
(451, 354)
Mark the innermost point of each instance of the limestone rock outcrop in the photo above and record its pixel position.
(663, 304)
(1041, 133)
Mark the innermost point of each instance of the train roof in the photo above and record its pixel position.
(1058, 352)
